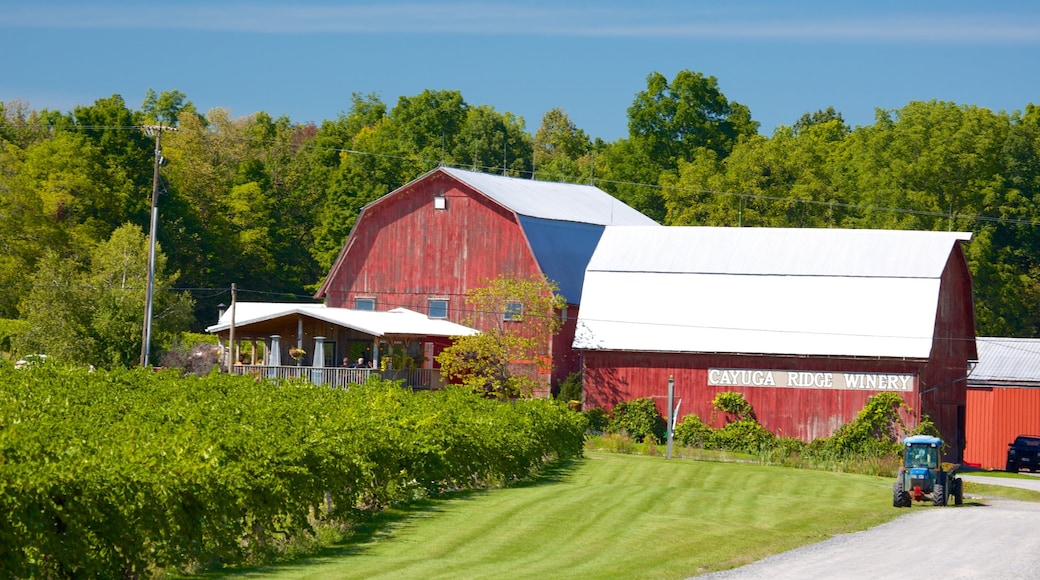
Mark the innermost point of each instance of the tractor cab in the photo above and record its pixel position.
(921, 476)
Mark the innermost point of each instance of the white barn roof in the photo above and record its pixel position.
(399, 321)
(823, 292)
(550, 200)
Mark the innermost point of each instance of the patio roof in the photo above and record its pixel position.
(399, 321)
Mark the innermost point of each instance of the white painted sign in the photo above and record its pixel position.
(810, 380)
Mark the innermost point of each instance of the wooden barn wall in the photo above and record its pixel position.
(566, 360)
(804, 414)
(403, 252)
(943, 383)
(995, 416)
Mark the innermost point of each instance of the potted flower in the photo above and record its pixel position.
(297, 354)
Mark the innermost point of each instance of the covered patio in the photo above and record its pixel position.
(333, 346)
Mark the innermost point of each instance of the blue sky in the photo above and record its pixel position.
(304, 59)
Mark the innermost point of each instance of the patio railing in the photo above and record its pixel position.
(342, 378)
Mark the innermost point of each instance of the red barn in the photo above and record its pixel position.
(425, 245)
(1003, 398)
(806, 323)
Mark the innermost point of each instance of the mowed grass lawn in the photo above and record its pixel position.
(608, 516)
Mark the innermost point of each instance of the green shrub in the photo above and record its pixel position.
(926, 427)
(874, 431)
(639, 418)
(598, 419)
(788, 446)
(745, 436)
(615, 443)
(571, 388)
(735, 404)
(692, 432)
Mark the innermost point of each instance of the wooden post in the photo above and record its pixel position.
(671, 397)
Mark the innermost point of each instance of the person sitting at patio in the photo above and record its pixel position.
(346, 362)
(360, 364)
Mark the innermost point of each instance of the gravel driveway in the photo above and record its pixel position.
(984, 538)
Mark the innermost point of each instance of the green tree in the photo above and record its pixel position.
(820, 117)
(518, 318)
(117, 280)
(939, 160)
(93, 313)
(631, 174)
(782, 181)
(559, 148)
(111, 127)
(165, 108)
(21, 125)
(492, 141)
(673, 120)
(56, 311)
(426, 126)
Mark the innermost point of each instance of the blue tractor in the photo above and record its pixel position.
(922, 477)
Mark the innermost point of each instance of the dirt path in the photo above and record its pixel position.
(984, 538)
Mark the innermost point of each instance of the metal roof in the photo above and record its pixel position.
(399, 321)
(779, 251)
(562, 250)
(562, 222)
(551, 200)
(1007, 361)
(864, 293)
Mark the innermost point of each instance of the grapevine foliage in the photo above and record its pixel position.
(127, 473)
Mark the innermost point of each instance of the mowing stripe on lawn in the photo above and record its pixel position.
(610, 516)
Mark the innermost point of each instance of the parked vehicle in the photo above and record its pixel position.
(1023, 453)
(922, 477)
(30, 361)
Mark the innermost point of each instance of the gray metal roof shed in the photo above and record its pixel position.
(1006, 362)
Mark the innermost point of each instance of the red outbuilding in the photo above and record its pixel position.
(427, 244)
(807, 324)
(1003, 399)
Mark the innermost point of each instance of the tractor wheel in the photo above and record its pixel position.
(939, 494)
(958, 491)
(900, 497)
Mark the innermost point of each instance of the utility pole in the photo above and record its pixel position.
(146, 332)
(231, 332)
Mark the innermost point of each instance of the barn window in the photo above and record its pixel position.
(514, 312)
(440, 202)
(364, 304)
(438, 308)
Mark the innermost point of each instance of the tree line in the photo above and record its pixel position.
(268, 203)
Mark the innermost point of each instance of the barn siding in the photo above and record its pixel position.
(804, 414)
(402, 243)
(995, 416)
